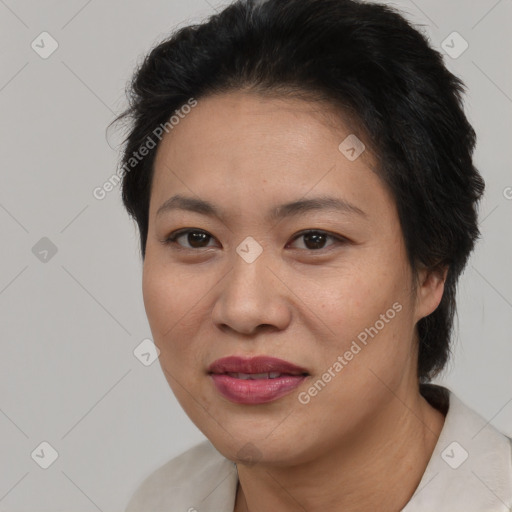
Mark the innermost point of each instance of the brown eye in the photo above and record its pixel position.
(316, 240)
(195, 238)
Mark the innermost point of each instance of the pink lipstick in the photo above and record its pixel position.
(255, 380)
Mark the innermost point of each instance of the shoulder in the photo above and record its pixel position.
(470, 468)
(201, 473)
(467, 424)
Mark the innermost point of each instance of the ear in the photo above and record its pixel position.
(429, 291)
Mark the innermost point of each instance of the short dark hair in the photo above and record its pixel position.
(363, 57)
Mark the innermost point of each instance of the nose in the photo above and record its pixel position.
(251, 298)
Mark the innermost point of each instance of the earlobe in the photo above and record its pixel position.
(430, 290)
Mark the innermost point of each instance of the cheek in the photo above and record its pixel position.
(160, 298)
(172, 308)
(171, 303)
(353, 298)
(368, 311)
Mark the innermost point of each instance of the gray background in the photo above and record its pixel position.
(70, 323)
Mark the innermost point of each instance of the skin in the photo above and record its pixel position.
(364, 441)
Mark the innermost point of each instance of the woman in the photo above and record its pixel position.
(301, 175)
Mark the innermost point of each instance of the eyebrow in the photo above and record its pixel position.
(294, 208)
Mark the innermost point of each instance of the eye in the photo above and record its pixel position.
(196, 238)
(315, 239)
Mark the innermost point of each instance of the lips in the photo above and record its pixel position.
(255, 366)
(256, 380)
(255, 376)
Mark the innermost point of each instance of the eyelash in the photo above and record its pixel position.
(172, 238)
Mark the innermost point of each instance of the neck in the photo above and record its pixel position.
(379, 469)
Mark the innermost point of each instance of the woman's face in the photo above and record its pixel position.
(247, 281)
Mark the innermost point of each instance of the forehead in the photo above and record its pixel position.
(237, 112)
(246, 147)
(251, 125)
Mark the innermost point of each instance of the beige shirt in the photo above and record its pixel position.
(470, 471)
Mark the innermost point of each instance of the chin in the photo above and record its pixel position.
(248, 446)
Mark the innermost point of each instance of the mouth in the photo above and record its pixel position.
(260, 367)
(255, 380)
(256, 376)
